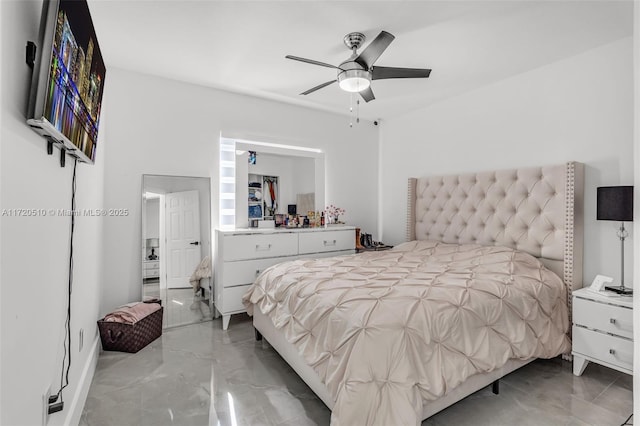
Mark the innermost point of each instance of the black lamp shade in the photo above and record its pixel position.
(615, 203)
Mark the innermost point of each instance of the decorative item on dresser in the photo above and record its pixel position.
(602, 331)
(241, 255)
(616, 203)
(333, 214)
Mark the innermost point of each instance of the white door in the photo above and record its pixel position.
(182, 219)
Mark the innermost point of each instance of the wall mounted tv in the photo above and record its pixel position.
(68, 79)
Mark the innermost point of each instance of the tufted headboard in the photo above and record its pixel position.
(537, 210)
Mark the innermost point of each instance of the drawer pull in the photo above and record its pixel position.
(612, 351)
(612, 320)
(330, 243)
(257, 272)
(263, 247)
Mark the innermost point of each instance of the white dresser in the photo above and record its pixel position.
(602, 331)
(242, 254)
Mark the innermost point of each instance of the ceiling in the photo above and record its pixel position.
(240, 46)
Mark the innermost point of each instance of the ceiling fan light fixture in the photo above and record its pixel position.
(357, 71)
(354, 81)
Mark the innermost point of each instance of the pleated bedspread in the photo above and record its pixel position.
(389, 331)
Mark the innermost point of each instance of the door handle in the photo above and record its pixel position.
(195, 243)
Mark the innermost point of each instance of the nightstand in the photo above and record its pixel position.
(150, 269)
(602, 331)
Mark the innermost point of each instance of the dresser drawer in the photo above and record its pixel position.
(318, 242)
(326, 254)
(257, 246)
(612, 319)
(246, 271)
(603, 347)
(230, 301)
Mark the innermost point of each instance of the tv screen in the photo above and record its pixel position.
(68, 80)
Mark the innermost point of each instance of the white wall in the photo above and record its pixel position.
(35, 250)
(2, 67)
(636, 156)
(160, 126)
(152, 218)
(580, 108)
(304, 173)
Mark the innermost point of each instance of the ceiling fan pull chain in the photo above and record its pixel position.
(358, 111)
(351, 110)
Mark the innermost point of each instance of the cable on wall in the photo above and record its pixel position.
(66, 359)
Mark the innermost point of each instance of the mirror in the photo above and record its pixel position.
(176, 247)
(269, 181)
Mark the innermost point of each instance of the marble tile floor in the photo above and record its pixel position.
(181, 305)
(201, 375)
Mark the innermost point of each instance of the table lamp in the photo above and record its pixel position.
(616, 203)
(153, 243)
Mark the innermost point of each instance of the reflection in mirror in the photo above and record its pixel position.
(176, 247)
(274, 181)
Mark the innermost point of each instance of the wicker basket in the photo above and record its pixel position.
(117, 336)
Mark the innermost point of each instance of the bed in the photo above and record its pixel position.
(481, 287)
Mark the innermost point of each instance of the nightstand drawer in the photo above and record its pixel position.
(151, 273)
(241, 247)
(612, 319)
(318, 242)
(603, 347)
(154, 264)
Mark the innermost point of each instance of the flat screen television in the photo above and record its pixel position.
(68, 79)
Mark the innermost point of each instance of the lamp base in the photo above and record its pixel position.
(620, 290)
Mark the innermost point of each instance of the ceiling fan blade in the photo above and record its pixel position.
(367, 94)
(318, 87)
(378, 73)
(311, 61)
(373, 51)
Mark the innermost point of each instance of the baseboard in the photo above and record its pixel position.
(77, 405)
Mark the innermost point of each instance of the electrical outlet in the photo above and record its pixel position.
(81, 340)
(45, 405)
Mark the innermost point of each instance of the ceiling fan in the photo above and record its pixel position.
(355, 74)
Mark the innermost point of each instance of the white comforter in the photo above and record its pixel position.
(388, 331)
